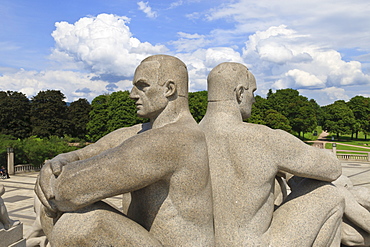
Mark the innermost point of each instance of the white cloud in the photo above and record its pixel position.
(338, 24)
(286, 59)
(176, 4)
(201, 61)
(73, 85)
(189, 42)
(101, 44)
(144, 6)
(296, 78)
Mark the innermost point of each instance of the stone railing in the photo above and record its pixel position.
(359, 157)
(26, 168)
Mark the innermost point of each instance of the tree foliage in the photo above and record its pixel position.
(300, 112)
(32, 150)
(78, 116)
(360, 107)
(276, 120)
(338, 118)
(97, 126)
(111, 112)
(198, 102)
(49, 114)
(14, 114)
(122, 111)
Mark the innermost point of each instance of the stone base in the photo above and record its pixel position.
(12, 237)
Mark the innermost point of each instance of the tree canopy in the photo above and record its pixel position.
(15, 114)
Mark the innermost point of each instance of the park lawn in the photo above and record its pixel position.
(343, 147)
(341, 152)
(347, 140)
(309, 136)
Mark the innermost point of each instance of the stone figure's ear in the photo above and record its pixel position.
(239, 93)
(171, 88)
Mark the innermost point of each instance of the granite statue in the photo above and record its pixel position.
(163, 164)
(244, 160)
(5, 222)
(356, 218)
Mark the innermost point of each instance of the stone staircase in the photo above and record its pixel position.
(12, 237)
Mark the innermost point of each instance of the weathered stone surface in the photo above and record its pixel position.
(11, 231)
(163, 164)
(12, 236)
(244, 160)
(356, 223)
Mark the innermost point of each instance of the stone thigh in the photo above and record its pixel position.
(99, 225)
(310, 216)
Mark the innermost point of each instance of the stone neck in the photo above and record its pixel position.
(175, 110)
(224, 111)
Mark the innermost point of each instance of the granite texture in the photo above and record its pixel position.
(356, 219)
(14, 235)
(163, 165)
(244, 161)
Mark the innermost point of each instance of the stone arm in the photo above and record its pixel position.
(135, 164)
(108, 141)
(302, 160)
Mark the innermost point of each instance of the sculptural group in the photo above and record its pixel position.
(210, 184)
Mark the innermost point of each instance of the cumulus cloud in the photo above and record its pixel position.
(201, 61)
(101, 44)
(296, 78)
(73, 85)
(289, 60)
(144, 6)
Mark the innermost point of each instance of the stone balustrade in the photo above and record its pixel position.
(359, 157)
(26, 168)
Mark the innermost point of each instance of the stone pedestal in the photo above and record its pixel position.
(12, 237)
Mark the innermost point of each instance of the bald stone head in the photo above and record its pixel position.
(232, 82)
(168, 68)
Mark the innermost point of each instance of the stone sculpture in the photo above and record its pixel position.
(164, 164)
(5, 222)
(244, 160)
(356, 219)
(36, 236)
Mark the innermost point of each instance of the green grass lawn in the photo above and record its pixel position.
(343, 147)
(310, 135)
(346, 139)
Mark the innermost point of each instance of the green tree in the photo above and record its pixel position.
(360, 107)
(35, 150)
(49, 114)
(300, 112)
(338, 118)
(198, 102)
(275, 120)
(259, 109)
(122, 111)
(78, 116)
(97, 126)
(15, 114)
(6, 141)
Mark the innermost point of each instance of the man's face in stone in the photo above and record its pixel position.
(248, 98)
(150, 97)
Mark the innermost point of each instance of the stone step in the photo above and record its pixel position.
(11, 236)
(20, 243)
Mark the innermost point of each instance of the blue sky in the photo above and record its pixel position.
(88, 48)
